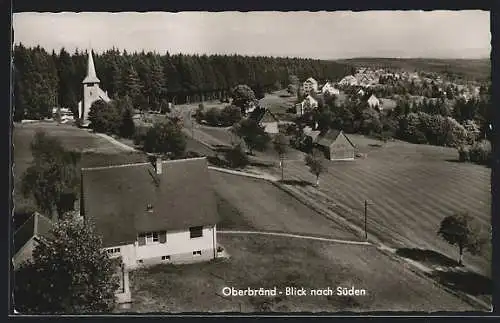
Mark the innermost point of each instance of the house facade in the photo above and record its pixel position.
(29, 235)
(152, 213)
(309, 103)
(373, 102)
(330, 89)
(91, 92)
(349, 80)
(267, 120)
(310, 85)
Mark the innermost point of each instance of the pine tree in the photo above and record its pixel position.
(133, 86)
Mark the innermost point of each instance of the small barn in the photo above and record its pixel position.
(335, 145)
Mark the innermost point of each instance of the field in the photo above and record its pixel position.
(263, 261)
(278, 103)
(96, 151)
(411, 188)
(479, 69)
(263, 206)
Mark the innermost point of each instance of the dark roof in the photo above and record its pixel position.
(328, 138)
(116, 198)
(36, 224)
(263, 115)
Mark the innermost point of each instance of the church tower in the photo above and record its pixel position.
(91, 91)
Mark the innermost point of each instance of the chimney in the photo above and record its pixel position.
(158, 165)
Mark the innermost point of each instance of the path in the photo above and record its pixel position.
(299, 236)
(116, 142)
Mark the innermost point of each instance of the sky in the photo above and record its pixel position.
(323, 35)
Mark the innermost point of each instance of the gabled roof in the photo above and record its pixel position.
(267, 116)
(116, 198)
(311, 80)
(91, 74)
(328, 138)
(36, 225)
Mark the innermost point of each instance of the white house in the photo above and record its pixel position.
(30, 234)
(349, 80)
(307, 104)
(36, 231)
(91, 92)
(151, 213)
(373, 102)
(266, 119)
(310, 85)
(330, 89)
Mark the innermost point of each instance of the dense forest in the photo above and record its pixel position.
(44, 80)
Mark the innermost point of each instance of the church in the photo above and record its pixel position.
(91, 92)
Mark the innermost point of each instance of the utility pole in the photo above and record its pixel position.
(366, 213)
(282, 160)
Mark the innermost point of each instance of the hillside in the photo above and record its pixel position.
(478, 69)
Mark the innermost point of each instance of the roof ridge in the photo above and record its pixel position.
(139, 164)
(113, 166)
(27, 220)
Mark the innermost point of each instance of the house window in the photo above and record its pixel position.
(165, 257)
(195, 232)
(197, 253)
(152, 237)
(113, 251)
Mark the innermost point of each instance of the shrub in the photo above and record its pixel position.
(236, 157)
(463, 154)
(212, 117)
(229, 115)
(480, 152)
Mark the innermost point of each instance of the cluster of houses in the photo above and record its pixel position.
(311, 87)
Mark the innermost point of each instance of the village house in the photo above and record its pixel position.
(151, 213)
(34, 231)
(349, 80)
(373, 102)
(37, 230)
(330, 89)
(310, 85)
(266, 119)
(308, 104)
(91, 92)
(335, 145)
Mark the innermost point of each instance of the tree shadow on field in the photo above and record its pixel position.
(217, 161)
(296, 182)
(427, 256)
(221, 148)
(261, 164)
(454, 160)
(468, 282)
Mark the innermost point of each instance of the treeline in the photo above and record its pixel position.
(44, 80)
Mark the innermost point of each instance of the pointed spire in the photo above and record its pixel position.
(91, 74)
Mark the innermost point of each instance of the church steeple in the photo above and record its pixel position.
(91, 75)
